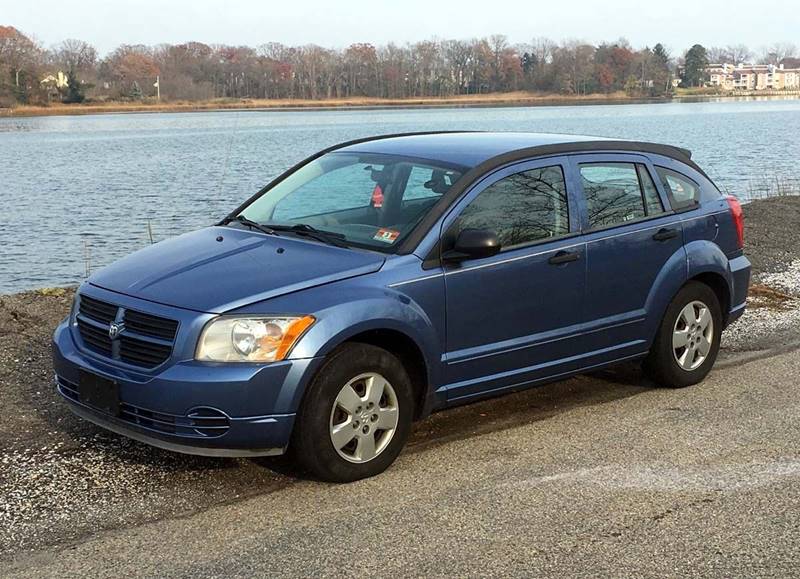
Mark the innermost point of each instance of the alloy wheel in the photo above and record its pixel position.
(364, 418)
(692, 335)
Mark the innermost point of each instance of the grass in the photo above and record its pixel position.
(763, 296)
(716, 91)
(54, 292)
(772, 186)
(510, 98)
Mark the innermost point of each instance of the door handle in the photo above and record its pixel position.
(665, 234)
(564, 257)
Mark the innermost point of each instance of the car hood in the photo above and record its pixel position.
(218, 269)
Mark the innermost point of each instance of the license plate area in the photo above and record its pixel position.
(98, 392)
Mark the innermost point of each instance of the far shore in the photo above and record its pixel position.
(482, 100)
(478, 100)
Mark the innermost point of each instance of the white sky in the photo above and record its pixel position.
(337, 23)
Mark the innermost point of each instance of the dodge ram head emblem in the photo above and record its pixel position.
(114, 330)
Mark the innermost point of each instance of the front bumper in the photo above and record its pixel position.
(189, 406)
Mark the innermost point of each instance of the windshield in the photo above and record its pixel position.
(366, 200)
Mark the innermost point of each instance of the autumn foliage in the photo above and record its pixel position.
(194, 71)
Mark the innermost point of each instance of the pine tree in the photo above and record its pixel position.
(74, 89)
(661, 54)
(136, 92)
(694, 72)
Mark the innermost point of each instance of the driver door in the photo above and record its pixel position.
(514, 317)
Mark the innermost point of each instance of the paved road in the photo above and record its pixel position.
(594, 476)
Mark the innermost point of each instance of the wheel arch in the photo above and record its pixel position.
(399, 326)
(708, 264)
(395, 338)
(719, 286)
(410, 355)
(701, 261)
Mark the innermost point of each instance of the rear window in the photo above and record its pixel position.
(683, 192)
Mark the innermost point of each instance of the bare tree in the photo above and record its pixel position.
(76, 55)
(18, 53)
(777, 52)
(739, 53)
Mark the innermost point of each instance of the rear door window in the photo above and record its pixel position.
(652, 201)
(683, 192)
(618, 193)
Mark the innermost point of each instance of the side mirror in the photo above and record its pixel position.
(473, 244)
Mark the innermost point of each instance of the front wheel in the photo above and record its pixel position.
(356, 415)
(688, 339)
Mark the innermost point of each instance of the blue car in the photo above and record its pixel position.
(385, 278)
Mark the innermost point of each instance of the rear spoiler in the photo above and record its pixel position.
(685, 152)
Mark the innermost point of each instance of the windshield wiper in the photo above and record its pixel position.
(306, 230)
(250, 223)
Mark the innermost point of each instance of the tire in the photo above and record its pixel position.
(694, 317)
(334, 425)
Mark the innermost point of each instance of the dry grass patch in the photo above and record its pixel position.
(763, 296)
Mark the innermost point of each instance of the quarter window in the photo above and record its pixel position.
(683, 192)
(521, 208)
(617, 193)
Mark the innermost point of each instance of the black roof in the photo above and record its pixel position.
(470, 149)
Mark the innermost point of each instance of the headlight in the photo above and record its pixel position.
(250, 339)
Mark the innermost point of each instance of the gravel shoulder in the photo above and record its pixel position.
(772, 244)
(63, 480)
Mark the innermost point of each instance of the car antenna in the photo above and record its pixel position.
(228, 151)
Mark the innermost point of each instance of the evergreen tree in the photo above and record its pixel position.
(74, 89)
(662, 71)
(694, 72)
(661, 54)
(136, 91)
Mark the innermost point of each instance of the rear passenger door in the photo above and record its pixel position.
(632, 238)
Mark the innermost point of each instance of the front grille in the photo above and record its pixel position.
(149, 325)
(199, 423)
(95, 338)
(143, 353)
(97, 310)
(145, 341)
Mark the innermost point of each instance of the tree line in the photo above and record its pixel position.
(437, 68)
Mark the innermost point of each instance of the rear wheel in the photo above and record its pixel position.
(688, 339)
(356, 415)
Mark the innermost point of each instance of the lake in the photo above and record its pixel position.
(86, 190)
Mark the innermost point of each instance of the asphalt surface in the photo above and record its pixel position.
(593, 476)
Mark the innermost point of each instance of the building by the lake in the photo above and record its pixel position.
(753, 76)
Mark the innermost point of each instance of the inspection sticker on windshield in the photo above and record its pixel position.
(386, 235)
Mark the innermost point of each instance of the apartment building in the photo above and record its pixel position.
(753, 76)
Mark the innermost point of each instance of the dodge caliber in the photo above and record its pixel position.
(385, 278)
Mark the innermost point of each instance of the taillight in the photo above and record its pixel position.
(738, 218)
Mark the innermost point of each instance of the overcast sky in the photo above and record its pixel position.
(337, 23)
